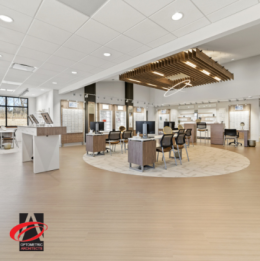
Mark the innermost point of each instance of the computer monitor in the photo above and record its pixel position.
(170, 124)
(145, 127)
(97, 126)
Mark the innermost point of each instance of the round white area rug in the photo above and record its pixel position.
(204, 161)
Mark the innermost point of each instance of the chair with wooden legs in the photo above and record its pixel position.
(180, 144)
(166, 146)
(125, 136)
(188, 136)
(202, 127)
(113, 139)
(12, 139)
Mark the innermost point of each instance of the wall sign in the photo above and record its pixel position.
(73, 105)
(138, 110)
(163, 111)
(239, 107)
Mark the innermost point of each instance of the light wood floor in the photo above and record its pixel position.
(98, 215)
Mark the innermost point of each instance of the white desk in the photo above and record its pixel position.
(41, 145)
(4, 132)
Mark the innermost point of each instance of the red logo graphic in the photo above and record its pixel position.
(15, 236)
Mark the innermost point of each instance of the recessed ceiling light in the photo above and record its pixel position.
(73, 72)
(206, 72)
(6, 19)
(107, 54)
(54, 82)
(13, 83)
(151, 84)
(10, 90)
(134, 80)
(216, 78)
(42, 90)
(191, 64)
(177, 16)
(161, 74)
(0, 55)
(2, 89)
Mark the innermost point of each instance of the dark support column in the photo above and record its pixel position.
(129, 95)
(89, 91)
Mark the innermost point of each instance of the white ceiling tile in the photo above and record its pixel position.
(140, 50)
(196, 25)
(124, 15)
(95, 70)
(60, 61)
(70, 54)
(17, 75)
(32, 54)
(33, 81)
(8, 86)
(124, 44)
(63, 78)
(48, 32)
(27, 61)
(211, 6)
(164, 17)
(231, 9)
(104, 49)
(122, 58)
(146, 31)
(4, 64)
(148, 7)
(81, 44)
(162, 40)
(42, 72)
(97, 32)
(107, 65)
(11, 36)
(40, 45)
(8, 47)
(28, 7)
(6, 57)
(82, 67)
(60, 15)
(53, 67)
(21, 21)
(92, 60)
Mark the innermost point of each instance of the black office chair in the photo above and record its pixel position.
(180, 144)
(188, 136)
(166, 146)
(231, 134)
(181, 131)
(202, 127)
(125, 136)
(113, 139)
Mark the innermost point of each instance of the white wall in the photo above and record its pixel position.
(110, 92)
(141, 95)
(45, 102)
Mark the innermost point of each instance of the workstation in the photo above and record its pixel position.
(134, 124)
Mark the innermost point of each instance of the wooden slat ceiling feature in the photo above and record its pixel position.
(190, 63)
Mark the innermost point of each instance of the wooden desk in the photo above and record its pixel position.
(95, 143)
(141, 152)
(217, 133)
(246, 135)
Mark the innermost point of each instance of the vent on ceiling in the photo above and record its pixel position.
(24, 67)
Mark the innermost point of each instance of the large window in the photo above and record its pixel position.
(13, 111)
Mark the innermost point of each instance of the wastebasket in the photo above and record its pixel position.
(251, 143)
